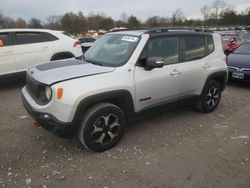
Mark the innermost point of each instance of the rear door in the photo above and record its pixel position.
(31, 48)
(195, 64)
(7, 60)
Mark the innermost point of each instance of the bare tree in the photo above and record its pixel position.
(35, 23)
(177, 16)
(218, 5)
(247, 11)
(228, 8)
(205, 11)
(53, 22)
(124, 17)
(20, 23)
(6, 22)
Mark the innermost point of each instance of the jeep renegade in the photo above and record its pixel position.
(124, 74)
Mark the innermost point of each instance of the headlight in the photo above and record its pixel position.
(48, 93)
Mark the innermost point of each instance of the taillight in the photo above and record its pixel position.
(76, 43)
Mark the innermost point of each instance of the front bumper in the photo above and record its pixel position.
(50, 123)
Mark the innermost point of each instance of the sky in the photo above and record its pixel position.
(143, 9)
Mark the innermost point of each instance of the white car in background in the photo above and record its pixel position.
(24, 48)
(86, 43)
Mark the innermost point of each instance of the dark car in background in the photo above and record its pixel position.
(231, 42)
(239, 63)
(86, 43)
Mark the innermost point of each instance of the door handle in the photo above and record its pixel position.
(206, 66)
(44, 47)
(175, 72)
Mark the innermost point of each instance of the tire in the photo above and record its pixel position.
(210, 97)
(95, 131)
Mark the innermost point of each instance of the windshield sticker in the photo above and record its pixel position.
(129, 39)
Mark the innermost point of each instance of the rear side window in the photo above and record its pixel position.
(4, 39)
(194, 48)
(210, 44)
(165, 47)
(50, 37)
(30, 37)
(91, 40)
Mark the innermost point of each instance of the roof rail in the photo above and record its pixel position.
(131, 29)
(167, 29)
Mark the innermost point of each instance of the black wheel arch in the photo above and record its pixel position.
(121, 98)
(61, 54)
(221, 77)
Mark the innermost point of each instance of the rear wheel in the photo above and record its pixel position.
(210, 97)
(102, 127)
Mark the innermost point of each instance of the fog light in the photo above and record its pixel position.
(45, 116)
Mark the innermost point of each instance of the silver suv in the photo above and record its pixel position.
(123, 75)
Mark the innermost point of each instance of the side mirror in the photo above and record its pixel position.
(154, 62)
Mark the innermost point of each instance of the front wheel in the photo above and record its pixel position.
(210, 97)
(102, 127)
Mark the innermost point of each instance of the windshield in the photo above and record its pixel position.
(243, 49)
(112, 50)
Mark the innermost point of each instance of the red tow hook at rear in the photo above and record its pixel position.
(35, 125)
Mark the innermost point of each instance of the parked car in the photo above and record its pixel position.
(239, 63)
(125, 74)
(86, 43)
(246, 35)
(231, 42)
(24, 48)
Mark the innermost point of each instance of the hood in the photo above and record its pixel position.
(53, 72)
(239, 60)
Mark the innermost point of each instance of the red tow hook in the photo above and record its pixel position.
(35, 125)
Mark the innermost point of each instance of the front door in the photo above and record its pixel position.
(154, 87)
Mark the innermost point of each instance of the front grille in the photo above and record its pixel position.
(239, 69)
(32, 87)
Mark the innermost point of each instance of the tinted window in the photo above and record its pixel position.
(166, 47)
(67, 34)
(210, 44)
(194, 48)
(30, 37)
(91, 40)
(5, 40)
(50, 37)
(82, 40)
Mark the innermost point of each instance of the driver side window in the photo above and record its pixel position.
(164, 47)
